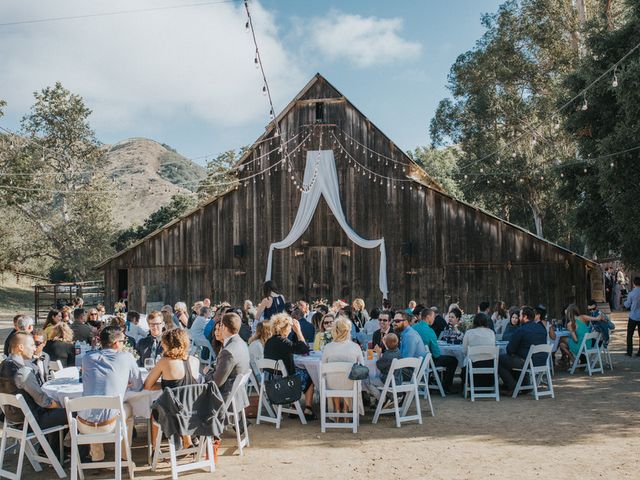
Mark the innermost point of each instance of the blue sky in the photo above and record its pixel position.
(186, 76)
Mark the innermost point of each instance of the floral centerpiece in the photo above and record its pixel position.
(466, 322)
(326, 337)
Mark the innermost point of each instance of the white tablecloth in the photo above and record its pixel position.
(311, 364)
(66, 387)
(458, 352)
(554, 343)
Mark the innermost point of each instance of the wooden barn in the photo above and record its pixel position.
(437, 249)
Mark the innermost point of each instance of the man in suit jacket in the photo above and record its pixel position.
(233, 359)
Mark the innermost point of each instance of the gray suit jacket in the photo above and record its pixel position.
(233, 360)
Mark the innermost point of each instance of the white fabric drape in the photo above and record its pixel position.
(326, 185)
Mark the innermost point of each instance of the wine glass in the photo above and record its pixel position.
(149, 363)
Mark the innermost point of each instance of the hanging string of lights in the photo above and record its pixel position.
(582, 94)
(371, 152)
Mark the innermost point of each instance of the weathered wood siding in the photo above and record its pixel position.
(458, 253)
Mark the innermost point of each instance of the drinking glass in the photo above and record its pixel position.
(149, 363)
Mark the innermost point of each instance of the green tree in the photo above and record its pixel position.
(441, 165)
(501, 115)
(53, 179)
(607, 189)
(178, 206)
(220, 175)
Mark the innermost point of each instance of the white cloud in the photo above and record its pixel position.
(365, 41)
(146, 67)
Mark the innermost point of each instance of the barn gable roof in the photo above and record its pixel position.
(417, 174)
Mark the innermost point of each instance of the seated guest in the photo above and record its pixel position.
(67, 314)
(540, 315)
(257, 342)
(181, 315)
(500, 318)
(578, 326)
(308, 331)
(176, 368)
(18, 375)
(411, 345)
(383, 364)
(196, 332)
(53, 318)
(60, 346)
(136, 329)
(21, 323)
(341, 349)
(151, 345)
(167, 316)
(480, 335)
(529, 333)
(384, 320)
(598, 321)
(93, 318)
(316, 320)
(439, 323)
(40, 359)
(359, 314)
(453, 325)
(425, 329)
(81, 331)
(485, 307)
(108, 372)
(233, 359)
(245, 325)
(120, 322)
(324, 333)
(279, 347)
(372, 324)
(512, 326)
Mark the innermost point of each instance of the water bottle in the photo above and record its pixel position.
(78, 348)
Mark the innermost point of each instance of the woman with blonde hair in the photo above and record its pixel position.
(257, 342)
(181, 315)
(359, 314)
(323, 336)
(341, 349)
(60, 346)
(176, 368)
(279, 348)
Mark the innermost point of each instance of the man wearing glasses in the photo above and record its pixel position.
(151, 345)
(108, 372)
(411, 345)
(384, 319)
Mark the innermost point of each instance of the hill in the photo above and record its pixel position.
(146, 175)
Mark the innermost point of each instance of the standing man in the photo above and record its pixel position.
(108, 372)
(608, 286)
(633, 304)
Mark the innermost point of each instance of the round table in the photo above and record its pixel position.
(140, 402)
(311, 363)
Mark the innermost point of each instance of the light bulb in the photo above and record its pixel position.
(614, 84)
(585, 105)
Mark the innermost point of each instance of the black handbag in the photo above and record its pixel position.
(283, 390)
(358, 372)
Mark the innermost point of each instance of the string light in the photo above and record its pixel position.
(614, 84)
(585, 105)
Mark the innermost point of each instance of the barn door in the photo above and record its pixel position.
(327, 273)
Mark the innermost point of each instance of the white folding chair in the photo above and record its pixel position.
(589, 348)
(24, 437)
(235, 413)
(353, 394)
(52, 367)
(423, 380)
(68, 372)
(117, 436)
(604, 352)
(253, 383)
(409, 389)
(263, 400)
(479, 353)
(198, 348)
(536, 374)
(436, 372)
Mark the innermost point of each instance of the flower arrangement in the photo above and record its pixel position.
(327, 337)
(119, 307)
(319, 301)
(466, 322)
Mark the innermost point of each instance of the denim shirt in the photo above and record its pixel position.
(411, 345)
(108, 372)
(633, 304)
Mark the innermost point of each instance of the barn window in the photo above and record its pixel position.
(319, 112)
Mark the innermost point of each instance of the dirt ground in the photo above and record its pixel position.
(590, 430)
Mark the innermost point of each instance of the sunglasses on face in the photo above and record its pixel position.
(328, 323)
(37, 344)
(384, 320)
(396, 320)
